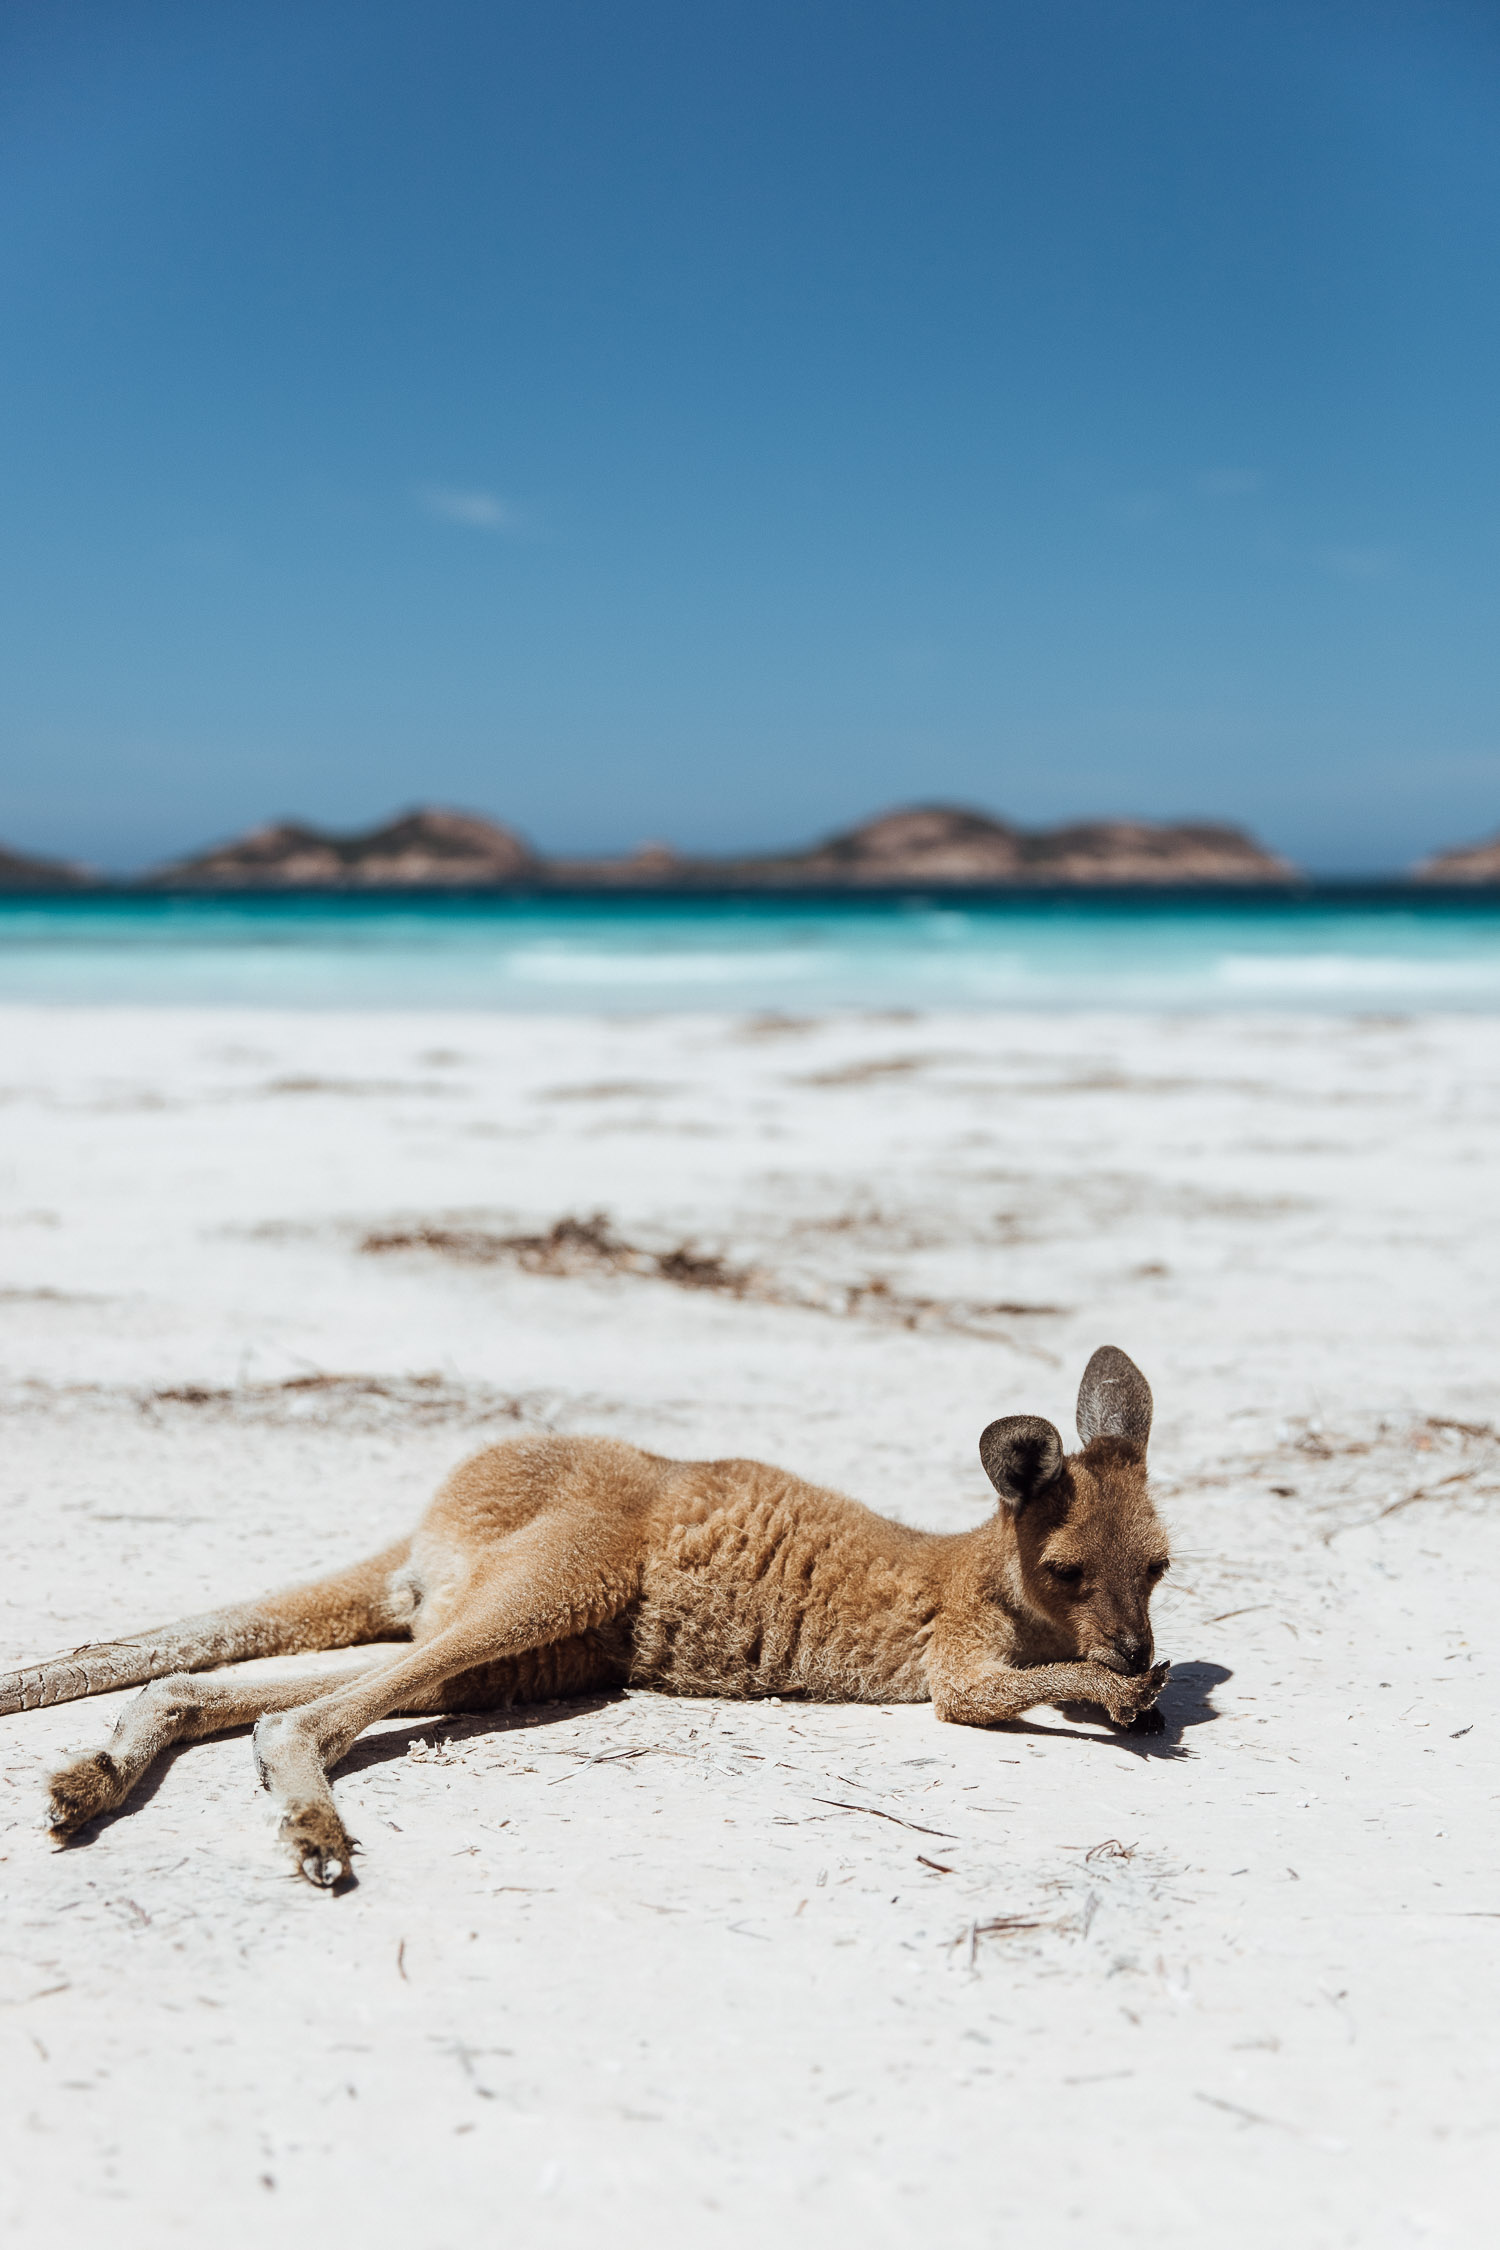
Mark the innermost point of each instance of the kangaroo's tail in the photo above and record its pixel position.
(365, 1603)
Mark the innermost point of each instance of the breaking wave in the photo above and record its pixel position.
(1390, 952)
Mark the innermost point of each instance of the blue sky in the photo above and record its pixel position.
(718, 419)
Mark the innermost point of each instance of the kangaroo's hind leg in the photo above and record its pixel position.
(556, 1584)
(370, 1601)
(180, 1708)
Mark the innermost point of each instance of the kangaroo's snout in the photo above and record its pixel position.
(1129, 1653)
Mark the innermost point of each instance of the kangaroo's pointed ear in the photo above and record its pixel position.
(1021, 1455)
(1114, 1398)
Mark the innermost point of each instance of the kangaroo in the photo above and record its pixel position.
(556, 1566)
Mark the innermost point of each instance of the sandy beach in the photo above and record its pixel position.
(699, 1972)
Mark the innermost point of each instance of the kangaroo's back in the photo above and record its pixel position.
(755, 1583)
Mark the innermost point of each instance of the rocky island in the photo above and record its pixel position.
(428, 849)
(927, 844)
(944, 844)
(1463, 863)
(24, 871)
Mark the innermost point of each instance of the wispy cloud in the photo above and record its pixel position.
(1227, 484)
(1358, 562)
(476, 509)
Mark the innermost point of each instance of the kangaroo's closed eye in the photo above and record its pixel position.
(1066, 1574)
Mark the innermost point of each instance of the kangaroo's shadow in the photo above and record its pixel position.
(1185, 1702)
(1187, 1698)
(392, 1745)
(389, 1747)
(145, 1790)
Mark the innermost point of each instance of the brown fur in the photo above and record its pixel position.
(555, 1566)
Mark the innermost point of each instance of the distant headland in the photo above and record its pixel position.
(932, 846)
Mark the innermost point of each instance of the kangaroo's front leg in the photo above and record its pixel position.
(984, 1694)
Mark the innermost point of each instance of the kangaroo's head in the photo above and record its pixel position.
(1090, 1546)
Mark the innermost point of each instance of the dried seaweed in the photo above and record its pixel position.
(589, 1246)
(326, 1398)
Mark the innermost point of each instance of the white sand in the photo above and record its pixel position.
(1248, 1990)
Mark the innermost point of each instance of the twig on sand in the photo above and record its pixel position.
(1423, 1493)
(1278, 2124)
(24, 2000)
(1246, 2116)
(401, 1962)
(605, 1758)
(1002, 1925)
(876, 1813)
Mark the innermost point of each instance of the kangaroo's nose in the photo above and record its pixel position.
(1134, 1651)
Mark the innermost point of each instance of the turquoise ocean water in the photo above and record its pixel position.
(1331, 949)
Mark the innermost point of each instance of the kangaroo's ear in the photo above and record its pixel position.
(1114, 1398)
(1021, 1455)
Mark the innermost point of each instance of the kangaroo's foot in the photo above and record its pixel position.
(80, 1792)
(166, 1711)
(319, 1843)
(289, 1759)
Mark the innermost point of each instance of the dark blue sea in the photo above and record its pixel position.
(1336, 948)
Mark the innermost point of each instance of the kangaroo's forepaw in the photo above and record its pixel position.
(1147, 1722)
(321, 1849)
(78, 1793)
(1135, 1698)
